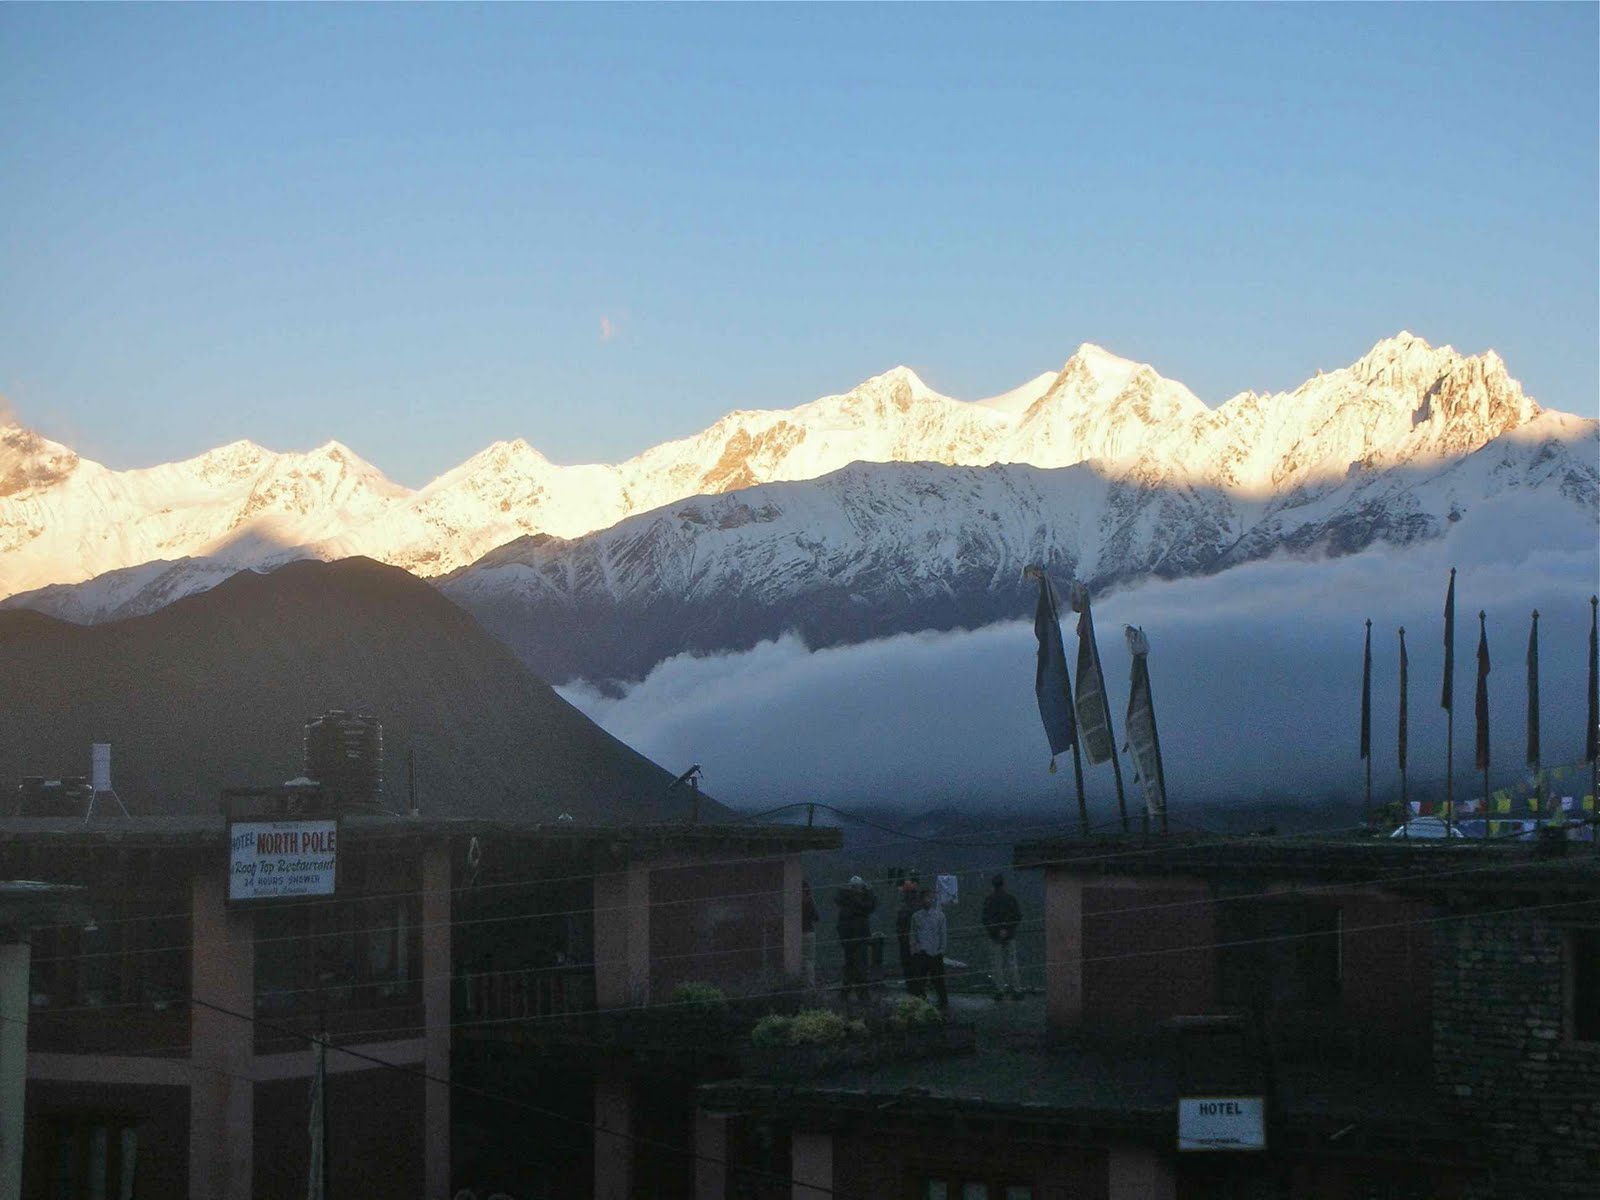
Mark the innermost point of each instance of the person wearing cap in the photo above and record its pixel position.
(1001, 916)
(856, 903)
(910, 902)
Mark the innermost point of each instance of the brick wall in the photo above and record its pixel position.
(1503, 1056)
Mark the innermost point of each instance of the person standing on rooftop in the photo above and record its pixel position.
(1001, 917)
(930, 939)
(856, 903)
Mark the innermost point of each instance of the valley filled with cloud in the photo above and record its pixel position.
(1256, 674)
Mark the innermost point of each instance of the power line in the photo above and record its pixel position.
(1069, 860)
(1031, 926)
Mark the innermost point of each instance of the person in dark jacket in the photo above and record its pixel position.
(910, 902)
(1001, 916)
(856, 903)
(808, 935)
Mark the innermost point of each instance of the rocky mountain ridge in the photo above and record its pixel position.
(64, 519)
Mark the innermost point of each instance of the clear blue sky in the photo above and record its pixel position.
(403, 227)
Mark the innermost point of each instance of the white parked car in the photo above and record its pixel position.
(1427, 827)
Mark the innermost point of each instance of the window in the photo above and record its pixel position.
(1583, 987)
(322, 956)
(134, 952)
(959, 1187)
(95, 1159)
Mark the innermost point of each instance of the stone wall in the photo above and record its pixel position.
(1504, 1060)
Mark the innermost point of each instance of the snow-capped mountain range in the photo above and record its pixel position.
(852, 515)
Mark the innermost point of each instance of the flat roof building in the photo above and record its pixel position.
(469, 975)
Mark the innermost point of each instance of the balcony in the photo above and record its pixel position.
(489, 998)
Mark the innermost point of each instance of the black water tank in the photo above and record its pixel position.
(344, 753)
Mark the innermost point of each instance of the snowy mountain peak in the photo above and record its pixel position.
(1404, 402)
(899, 381)
(1402, 360)
(1102, 362)
(495, 465)
(28, 461)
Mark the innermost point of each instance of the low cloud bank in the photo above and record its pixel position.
(1256, 674)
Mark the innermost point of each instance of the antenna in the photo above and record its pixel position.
(692, 778)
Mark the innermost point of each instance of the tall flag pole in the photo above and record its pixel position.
(1591, 734)
(1366, 714)
(1447, 697)
(1534, 757)
(1094, 707)
(1143, 738)
(1480, 710)
(1405, 802)
(1052, 686)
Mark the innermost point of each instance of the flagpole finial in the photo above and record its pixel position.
(1402, 631)
(1536, 614)
(1369, 622)
(1481, 614)
(1452, 572)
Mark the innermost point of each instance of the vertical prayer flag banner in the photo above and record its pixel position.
(1094, 712)
(1143, 739)
(1366, 696)
(1051, 683)
(1533, 691)
(1447, 693)
(1480, 706)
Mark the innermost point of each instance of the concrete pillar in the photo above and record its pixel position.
(793, 873)
(711, 1157)
(222, 1097)
(13, 1063)
(622, 937)
(811, 1166)
(436, 971)
(613, 1143)
(1063, 944)
(1141, 1173)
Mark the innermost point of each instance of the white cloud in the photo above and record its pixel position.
(1256, 674)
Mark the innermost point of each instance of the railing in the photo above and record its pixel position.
(525, 994)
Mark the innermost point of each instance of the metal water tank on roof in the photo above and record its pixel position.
(344, 753)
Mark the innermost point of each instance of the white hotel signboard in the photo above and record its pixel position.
(1222, 1123)
(270, 860)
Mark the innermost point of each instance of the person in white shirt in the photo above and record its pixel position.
(930, 938)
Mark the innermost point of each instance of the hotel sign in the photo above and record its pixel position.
(272, 860)
(1221, 1123)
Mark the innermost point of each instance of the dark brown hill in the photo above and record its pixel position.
(214, 690)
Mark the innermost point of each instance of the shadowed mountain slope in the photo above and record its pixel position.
(213, 691)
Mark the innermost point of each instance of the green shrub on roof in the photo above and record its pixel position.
(699, 997)
(913, 1012)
